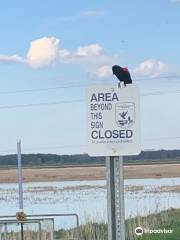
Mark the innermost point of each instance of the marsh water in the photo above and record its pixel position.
(88, 198)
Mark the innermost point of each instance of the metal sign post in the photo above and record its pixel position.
(20, 176)
(113, 129)
(20, 184)
(115, 201)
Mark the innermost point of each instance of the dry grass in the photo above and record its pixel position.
(89, 173)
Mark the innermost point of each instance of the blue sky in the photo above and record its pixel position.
(56, 44)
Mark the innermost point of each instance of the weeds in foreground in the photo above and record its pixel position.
(168, 220)
(165, 220)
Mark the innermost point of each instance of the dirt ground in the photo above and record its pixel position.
(89, 173)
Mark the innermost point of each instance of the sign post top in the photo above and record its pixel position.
(113, 120)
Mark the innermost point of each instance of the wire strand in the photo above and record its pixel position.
(73, 101)
(39, 104)
(72, 85)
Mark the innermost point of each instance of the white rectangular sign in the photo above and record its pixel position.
(113, 120)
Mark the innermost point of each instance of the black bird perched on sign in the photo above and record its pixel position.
(122, 74)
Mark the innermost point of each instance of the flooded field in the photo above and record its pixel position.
(88, 198)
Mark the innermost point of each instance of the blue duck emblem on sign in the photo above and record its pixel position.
(125, 114)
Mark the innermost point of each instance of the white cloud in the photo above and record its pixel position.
(89, 51)
(47, 50)
(64, 53)
(43, 52)
(104, 71)
(11, 59)
(92, 55)
(151, 67)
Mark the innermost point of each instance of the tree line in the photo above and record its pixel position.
(84, 159)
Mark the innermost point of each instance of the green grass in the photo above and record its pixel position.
(93, 230)
(169, 219)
